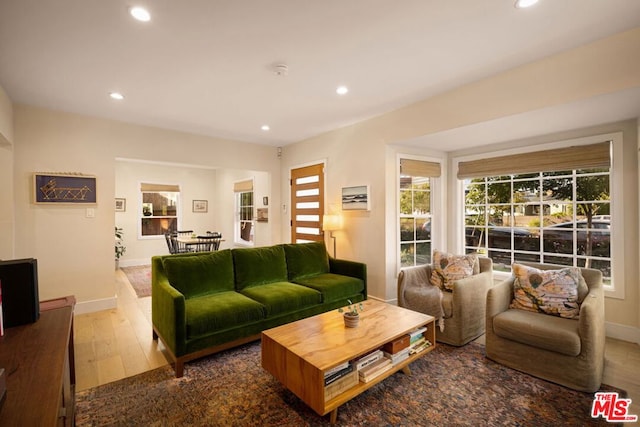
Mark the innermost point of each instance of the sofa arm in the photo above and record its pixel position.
(470, 296)
(421, 273)
(350, 268)
(168, 313)
(498, 299)
(591, 325)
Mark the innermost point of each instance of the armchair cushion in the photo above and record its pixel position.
(552, 292)
(539, 330)
(447, 268)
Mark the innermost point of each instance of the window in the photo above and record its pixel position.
(159, 209)
(415, 203)
(244, 224)
(558, 214)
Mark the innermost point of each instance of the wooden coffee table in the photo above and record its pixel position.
(299, 353)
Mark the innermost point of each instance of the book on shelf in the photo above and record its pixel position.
(420, 347)
(399, 356)
(384, 367)
(369, 359)
(338, 374)
(374, 367)
(339, 386)
(335, 369)
(417, 342)
(418, 332)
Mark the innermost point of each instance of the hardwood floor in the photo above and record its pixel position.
(114, 344)
(117, 343)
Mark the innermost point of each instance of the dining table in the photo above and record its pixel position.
(193, 242)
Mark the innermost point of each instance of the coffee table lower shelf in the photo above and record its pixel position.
(298, 354)
(332, 405)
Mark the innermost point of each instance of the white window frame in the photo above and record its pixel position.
(438, 222)
(616, 288)
(140, 216)
(237, 240)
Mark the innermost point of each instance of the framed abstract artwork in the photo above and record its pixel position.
(61, 188)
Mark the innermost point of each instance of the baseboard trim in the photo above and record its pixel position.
(134, 262)
(622, 332)
(96, 305)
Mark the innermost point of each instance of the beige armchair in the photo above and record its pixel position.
(463, 309)
(569, 352)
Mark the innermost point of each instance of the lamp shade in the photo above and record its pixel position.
(331, 222)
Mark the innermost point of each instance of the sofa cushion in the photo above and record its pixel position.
(223, 310)
(306, 259)
(283, 297)
(333, 287)
(447, 268)
(200, 274)
(552, 292)
(257, 266)
(539, 330)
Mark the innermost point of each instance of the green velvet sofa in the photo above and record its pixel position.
(203, 303)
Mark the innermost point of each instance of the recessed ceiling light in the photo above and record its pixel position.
(140, 13)
(521, 4)
(342, 90)
(265, 127)
(116, 95)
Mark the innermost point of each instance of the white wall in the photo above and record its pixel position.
(6, 176)
(364, 153)
(195, 184)
(75, 253)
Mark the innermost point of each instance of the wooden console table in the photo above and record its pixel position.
(38, 360)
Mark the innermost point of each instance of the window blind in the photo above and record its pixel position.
(409, 167)
(242, 186)
(561, 159)
(159, 187)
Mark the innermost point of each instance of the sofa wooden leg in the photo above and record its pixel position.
(155, 335)
(179, 368)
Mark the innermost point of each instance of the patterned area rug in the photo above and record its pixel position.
(449, 387)
(140, 278)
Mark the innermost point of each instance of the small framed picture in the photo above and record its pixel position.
(121, 205)
(200, 206)
(355, 198)
(263, 215)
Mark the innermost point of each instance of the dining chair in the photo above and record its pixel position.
(207, 243)
(180, 247)
(170, 245)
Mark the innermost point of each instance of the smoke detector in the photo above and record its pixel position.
(280, 70)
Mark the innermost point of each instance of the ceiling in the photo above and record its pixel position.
(207, 66)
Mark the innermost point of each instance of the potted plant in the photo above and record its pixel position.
(120, 247)
(351, 314)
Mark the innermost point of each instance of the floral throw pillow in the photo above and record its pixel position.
(448, 268)
(552, 292)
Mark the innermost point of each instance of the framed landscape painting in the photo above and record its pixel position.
(355, 198)
(62, 188)
(200, 206)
